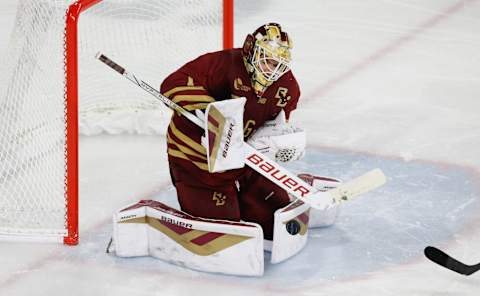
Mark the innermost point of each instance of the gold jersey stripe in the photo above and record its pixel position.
(182, 88)
(190, 81)
(185, 149)
(187, 140)
(195, 106)
(180, 154)
(192, 98)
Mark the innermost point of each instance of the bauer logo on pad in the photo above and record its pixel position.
(224, 133)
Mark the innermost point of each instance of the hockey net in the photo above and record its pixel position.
(39, 84)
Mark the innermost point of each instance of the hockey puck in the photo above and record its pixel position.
(293, 227)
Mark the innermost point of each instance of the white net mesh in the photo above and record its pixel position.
(162, 36)
(149, 37)
(32, 141)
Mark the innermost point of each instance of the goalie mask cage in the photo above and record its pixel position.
(51, 86)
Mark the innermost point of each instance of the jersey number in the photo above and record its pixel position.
(248, 129)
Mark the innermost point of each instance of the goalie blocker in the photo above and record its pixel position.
(151, 228)
(224, 135)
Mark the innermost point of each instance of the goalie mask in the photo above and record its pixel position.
(267, 56)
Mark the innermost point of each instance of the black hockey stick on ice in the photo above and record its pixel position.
(264, 165)
(446, 261)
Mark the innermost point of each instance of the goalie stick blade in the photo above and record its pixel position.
(441, 258)
(348, 190)
(360, 185)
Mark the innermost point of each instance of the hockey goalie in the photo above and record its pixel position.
(229, 214)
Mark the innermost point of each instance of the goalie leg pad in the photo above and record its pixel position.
(290, 231)
(151, 228)
(322, 218)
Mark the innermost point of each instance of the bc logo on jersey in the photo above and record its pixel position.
(282, 96)
(219, 198)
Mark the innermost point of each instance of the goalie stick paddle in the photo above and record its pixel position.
(264, 165)
(441, 258)
(366, 182)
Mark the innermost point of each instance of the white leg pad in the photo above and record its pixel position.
(150, 228)
(322, 218)
(290, 231)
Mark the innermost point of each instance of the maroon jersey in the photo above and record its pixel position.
(214, 77)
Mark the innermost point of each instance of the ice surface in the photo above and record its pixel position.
(389, 84)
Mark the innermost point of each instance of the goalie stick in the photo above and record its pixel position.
(264, 165)
(441, 258)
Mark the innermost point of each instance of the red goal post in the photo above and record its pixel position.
(71, 54)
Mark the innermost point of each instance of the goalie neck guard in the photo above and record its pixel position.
(266, 55)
